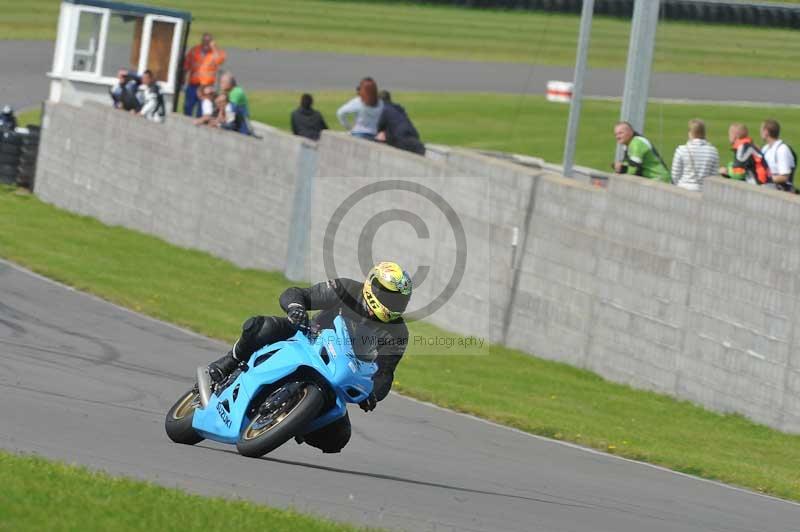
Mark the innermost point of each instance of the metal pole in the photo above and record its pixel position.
(640, 61)
(577, 90)
(180, 74)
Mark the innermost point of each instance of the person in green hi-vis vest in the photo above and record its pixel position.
(641, 157)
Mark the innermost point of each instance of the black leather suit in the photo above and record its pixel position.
(369, 336)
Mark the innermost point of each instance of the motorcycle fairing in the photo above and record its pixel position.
(331, 356)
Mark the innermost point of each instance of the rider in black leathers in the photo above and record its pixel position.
(372, 311)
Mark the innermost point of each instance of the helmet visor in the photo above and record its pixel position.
(396, 302)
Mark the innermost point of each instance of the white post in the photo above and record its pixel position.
(577, 91)
(640, 61)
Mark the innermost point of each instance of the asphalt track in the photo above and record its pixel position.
(23, 65)
(88, 382)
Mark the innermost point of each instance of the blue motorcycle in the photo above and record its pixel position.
(286, 390)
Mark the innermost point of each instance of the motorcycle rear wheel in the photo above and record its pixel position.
(268, 431)
(178, 423)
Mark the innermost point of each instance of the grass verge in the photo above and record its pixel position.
(29, 115)
(532, 125)
(42, 495)
(538, 396)
(401, 29)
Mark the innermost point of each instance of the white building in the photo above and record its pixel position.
(97, 38)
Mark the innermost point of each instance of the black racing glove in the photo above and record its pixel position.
(297, 314)
(369, 404)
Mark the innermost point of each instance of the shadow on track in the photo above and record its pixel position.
(395, 478)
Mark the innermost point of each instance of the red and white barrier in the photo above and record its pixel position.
(559, 91)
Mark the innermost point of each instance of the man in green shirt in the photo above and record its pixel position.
(238, 99)
(641, 157)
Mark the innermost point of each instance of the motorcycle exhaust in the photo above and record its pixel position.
(204, 385)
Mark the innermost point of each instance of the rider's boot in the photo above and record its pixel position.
(247, 343)
(221, 368)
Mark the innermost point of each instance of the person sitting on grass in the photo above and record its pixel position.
(640, 157)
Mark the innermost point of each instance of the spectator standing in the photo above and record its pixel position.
(306, 121)
(238, 99)
(781, 159)
(748, 162)
(152, 101)
(200, 68)
(367, 107)
(640, 156)
(694, 160)
(396, 128)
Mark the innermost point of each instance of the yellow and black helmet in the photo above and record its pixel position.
(387, 291)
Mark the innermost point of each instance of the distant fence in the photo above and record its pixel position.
(696, 295)
(708, 11)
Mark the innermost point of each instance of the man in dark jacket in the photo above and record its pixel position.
(373, 313)
(307, 122)
(397, 128)
(124, 93)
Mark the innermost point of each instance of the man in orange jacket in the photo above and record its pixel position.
(200, 68)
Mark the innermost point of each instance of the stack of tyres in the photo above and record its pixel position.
(10, 151)
(26, 169)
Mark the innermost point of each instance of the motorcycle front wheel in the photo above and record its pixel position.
(179, 419)
(279, 423)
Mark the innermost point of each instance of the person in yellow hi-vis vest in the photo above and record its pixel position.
(200, 68)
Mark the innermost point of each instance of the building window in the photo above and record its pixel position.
(160, 53)
(87, 41)
(123, 43)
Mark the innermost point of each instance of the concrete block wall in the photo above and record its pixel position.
(741, 350)
(346, 166)
(691, 294)
(196, 187)
(644, 264)
(499, 200)
(663, 289)
(488, 199)
(556, 287)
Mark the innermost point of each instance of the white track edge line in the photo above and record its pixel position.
(595, 451)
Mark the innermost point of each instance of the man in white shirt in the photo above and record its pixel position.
(778, 155)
